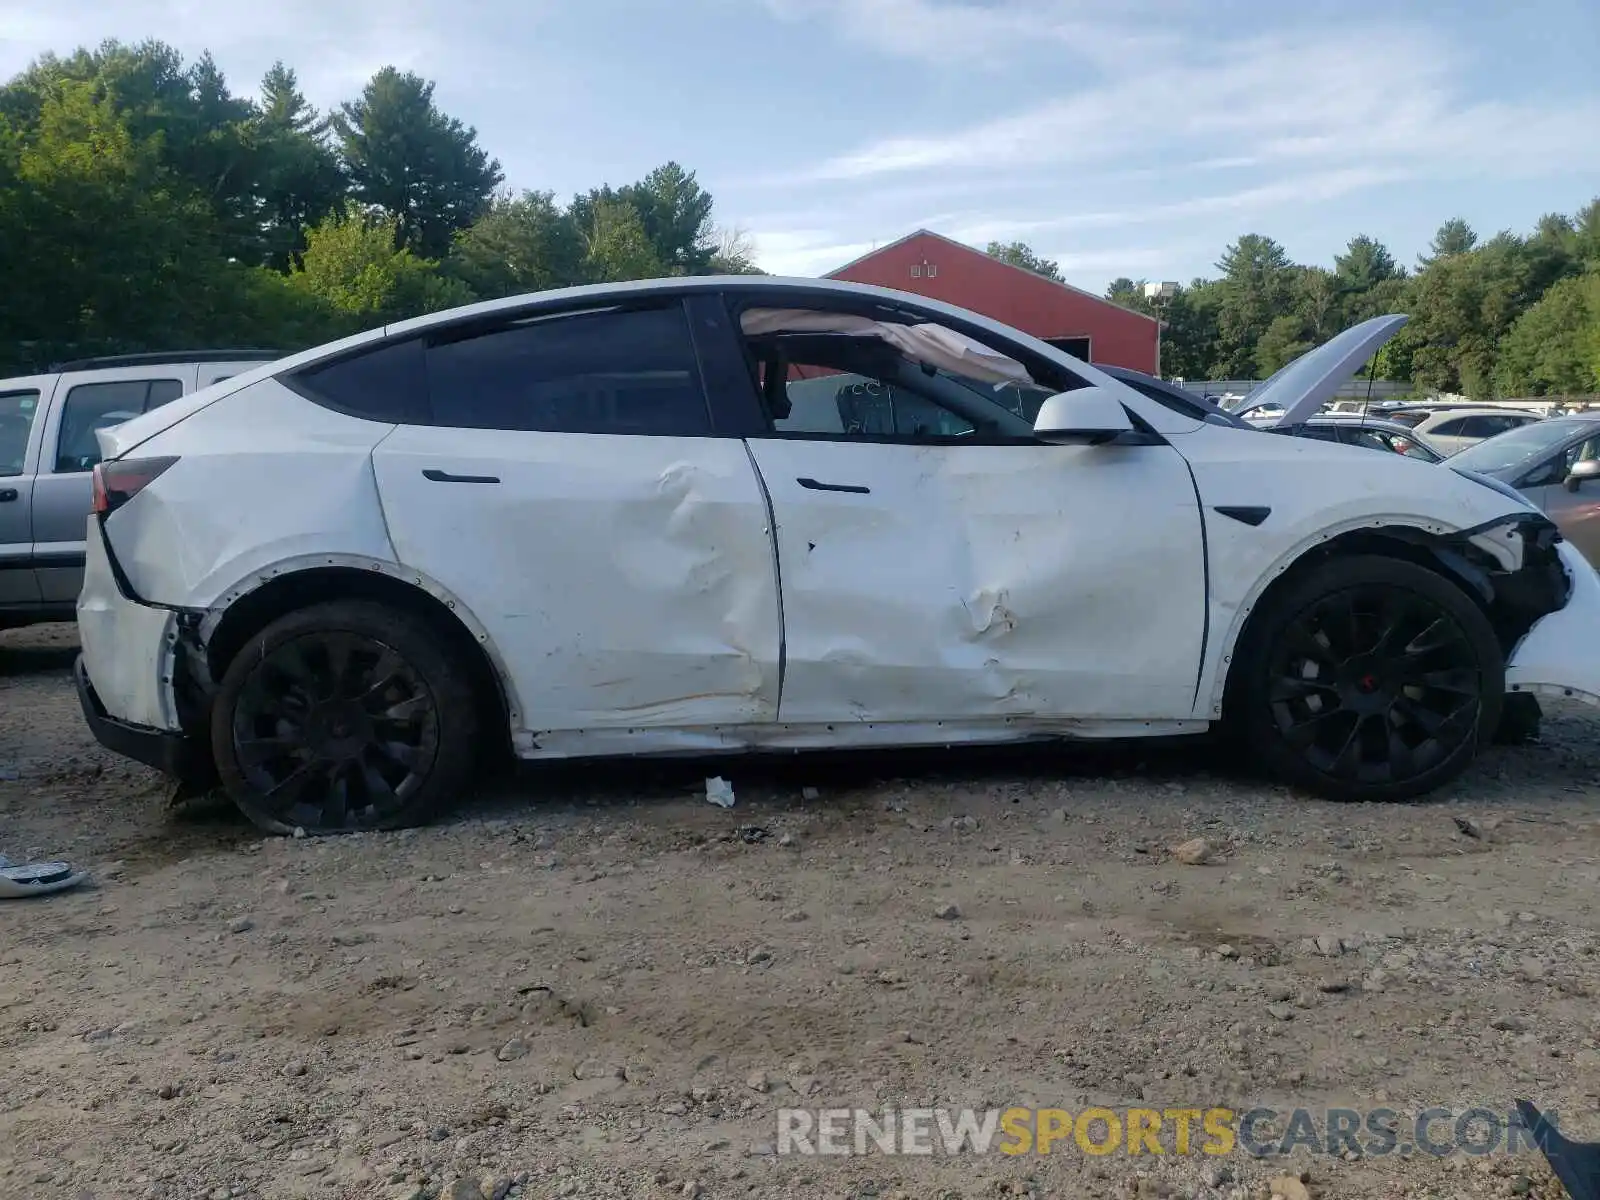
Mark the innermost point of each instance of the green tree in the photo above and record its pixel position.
(522, 244)
(1455, 236)
(1190, 338)
(1550, 350)
(616, 246)
(1020, 254)
(1586, 233)
(352, 265)
(404, 156)
(1283, 341)
(675, 212)
(1464, 302)
(1129, 293)
(113, 247)
(193, 125)
(1256, 287)
(1365, 263)
(299, 180)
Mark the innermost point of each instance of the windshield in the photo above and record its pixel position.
(1516, 446)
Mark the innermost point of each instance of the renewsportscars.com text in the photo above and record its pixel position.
(1096, 1131)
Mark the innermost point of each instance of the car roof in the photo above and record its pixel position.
(1478, 410)
(1357, 419)
(161, 358)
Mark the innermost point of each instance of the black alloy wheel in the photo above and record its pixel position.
(342, 717)
(1374, 679)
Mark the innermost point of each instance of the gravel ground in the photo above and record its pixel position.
(592, 983)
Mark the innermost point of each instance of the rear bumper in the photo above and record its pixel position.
(175, 754)
(1560, 656)
(125, 675)
(129, 647)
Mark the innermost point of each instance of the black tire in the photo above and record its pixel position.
(1520, 720)
(1370, 679)
(345, 716)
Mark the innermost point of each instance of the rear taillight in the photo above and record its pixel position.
(117, 482)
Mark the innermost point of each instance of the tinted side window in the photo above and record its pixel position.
(93, 406)
(1456, 428)
(17, 410)
(387, 383)
(630, 372)
(1501, 424)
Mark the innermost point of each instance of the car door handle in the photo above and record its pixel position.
(446, 477)
(811, 484)
(7, 494)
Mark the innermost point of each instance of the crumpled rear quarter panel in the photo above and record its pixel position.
(263, 476)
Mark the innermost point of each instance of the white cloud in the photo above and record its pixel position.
(1189, 128)
(986, 34)
(804, 251)
(1270, 102)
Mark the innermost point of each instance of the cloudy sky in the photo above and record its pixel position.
(1119, 137)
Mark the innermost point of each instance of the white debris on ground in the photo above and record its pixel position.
(593, 984)
(719, 792)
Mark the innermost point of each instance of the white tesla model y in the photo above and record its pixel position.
(729, 514)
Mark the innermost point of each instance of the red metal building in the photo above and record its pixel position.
(1079, 322)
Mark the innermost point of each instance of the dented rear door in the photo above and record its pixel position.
(571, 495)
(948, 581)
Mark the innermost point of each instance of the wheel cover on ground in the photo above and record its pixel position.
(334, 731)
(1375, 684)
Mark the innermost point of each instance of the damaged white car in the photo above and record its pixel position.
(727, 514)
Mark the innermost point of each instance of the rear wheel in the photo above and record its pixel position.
(1370, 679)
(344, 716)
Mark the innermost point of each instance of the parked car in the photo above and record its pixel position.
(1451, 430)
(593, 522)
(1556, 464)
(47, 449)
(1353, 429)
(1375, 433)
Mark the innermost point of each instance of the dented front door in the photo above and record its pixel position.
(943, 582)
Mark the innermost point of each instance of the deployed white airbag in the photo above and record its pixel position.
(927, 343)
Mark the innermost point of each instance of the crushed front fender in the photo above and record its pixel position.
(1560, 655)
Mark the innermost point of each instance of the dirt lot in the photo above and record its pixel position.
(592, 983)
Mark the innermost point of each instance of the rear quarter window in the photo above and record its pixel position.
(388, 383)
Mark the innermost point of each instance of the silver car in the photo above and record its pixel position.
(1453, 428)
(1556, 464)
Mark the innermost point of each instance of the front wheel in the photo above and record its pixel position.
(1371, 679)
(344, 716)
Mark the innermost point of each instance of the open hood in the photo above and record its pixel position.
(1304, 385)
